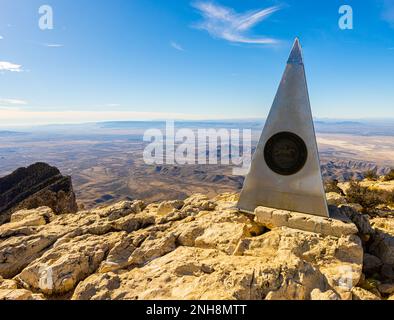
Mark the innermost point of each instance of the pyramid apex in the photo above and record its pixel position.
(296, 53)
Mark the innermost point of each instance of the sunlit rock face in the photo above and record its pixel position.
(199, 248)
(36, 186)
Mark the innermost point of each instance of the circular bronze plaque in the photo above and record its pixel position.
(285, 153)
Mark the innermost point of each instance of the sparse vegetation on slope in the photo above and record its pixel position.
(368, 198)
(389, 176)
(371, 175)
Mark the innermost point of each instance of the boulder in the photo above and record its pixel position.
(17, 252)
(19, 294)
(335, 199)
(167, 207)
(362, 294)
(383, 240)
(316, 294)
(120, 210)
(60, 269)
(8, 284)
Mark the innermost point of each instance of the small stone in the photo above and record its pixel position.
(316, 294)
(362, 294)
(16, 294)
(168, 207)
(335, 199)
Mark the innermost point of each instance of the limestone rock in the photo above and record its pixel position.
(33, 217)
(335, 199)
(24, 221)
(204, 249)
(383, 242)
(119, 255)
(19, 294)
(316, 294)
(61, 268)
(222, 236)
(152, 248)
(198, 202)
(120, 210)
(272, 218)
(133, 222)
(99, 286)
(8, 284)
(17, 252)
(281, 264)
(192, 273)
(169, 206)
(362, 294)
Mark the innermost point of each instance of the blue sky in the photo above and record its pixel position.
(150, 59)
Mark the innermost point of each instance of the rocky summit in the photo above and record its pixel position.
(198, 248)
(35, 186)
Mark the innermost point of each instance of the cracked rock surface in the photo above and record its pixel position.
(198, 248)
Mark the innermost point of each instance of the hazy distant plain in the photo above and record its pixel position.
(105, 160)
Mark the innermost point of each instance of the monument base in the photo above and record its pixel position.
(335, 226)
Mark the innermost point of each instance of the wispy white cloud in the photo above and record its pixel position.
(1, 37)
(12, 102)
(9, 66)
(388, 11)
(113, 105)
(176, 46)
(224, 23)
(53, 45)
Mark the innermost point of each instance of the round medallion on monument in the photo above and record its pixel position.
(285, 153)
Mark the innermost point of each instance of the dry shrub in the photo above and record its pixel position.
(332, 186)
(389, 176)
(371, 175)
(369, 199)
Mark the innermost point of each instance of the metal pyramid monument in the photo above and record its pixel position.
(285, 172)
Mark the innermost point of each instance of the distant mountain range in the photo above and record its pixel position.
(11, 133)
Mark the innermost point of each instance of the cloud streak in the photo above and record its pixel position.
(53, 45)
(224, 23)
(12, 102)
(176, 46)
(9, 66)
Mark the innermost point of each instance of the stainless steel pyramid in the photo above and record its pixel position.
(285, 171)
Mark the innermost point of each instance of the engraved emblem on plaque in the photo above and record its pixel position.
(285, 153)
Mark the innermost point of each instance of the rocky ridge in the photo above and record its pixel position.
(35, 186)
(198, 248)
